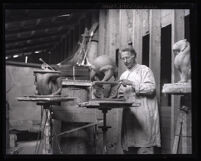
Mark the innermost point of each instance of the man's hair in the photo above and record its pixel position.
(131, 50)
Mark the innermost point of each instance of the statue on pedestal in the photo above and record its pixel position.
(182, 60)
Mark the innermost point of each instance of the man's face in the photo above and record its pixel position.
(128, 59)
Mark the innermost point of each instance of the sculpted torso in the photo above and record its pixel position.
(182, 59)
(48, 84)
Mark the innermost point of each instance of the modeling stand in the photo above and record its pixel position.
(105, 106)
(46, 103)
(183, 124)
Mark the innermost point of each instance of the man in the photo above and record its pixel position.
(140, 125)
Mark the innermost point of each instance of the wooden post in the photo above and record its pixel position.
(113, 36)
(102, 32)
(123, 36)
(177, 34)
(186, 146)
(155, 47)
(113, 134)
(137, 33)
(145, 22)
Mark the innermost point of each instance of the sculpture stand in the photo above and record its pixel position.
(46, 103)
(105, 106)
(182, 134)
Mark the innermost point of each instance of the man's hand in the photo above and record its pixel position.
(126, 82)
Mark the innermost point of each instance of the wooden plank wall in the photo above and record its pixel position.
(102, 32)
(178, 33)
(108, 44)
(133, 25)
(155, 47)
(137, 33)
(20, 82)
(116, 28)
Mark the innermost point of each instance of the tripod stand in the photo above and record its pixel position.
(181, 135)
(47, 130)
(183, 127)
(46, 102)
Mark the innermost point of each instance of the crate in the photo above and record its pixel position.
(75, 72)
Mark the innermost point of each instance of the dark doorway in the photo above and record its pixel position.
(145, 50)
(165, 99)
(165, 63)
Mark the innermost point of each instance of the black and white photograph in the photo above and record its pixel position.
(114, 79)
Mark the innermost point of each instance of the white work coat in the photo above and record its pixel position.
(140, 125)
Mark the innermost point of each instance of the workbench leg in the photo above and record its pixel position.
(183, 134)
(177, 133)
(47, 135)
(186, 134)
(104, 128)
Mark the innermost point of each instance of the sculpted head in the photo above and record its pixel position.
(179, 46)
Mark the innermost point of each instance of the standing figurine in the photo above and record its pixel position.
(182, 60)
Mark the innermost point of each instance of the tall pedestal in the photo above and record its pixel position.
(183, 130)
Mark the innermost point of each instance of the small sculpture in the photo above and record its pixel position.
(47, 81)
(103, 68)
(182, 60)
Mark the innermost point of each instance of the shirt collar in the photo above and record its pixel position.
(133, 68)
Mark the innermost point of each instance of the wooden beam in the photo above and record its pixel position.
(22, 64)
(23, 45)
(145, 22)
(70, 30)
(28, 37)
(155, 47)
(137, 33)
(37, 28)
(79, 128)
(36, 14)
(29, 41)
(102, 32)
(113, 33)
(177, 34)
(37, 32)
(166, 17)
(123, 36)
(30, 49)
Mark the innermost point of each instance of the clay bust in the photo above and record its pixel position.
(182, 60)
(47, 82)
(103, 68)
